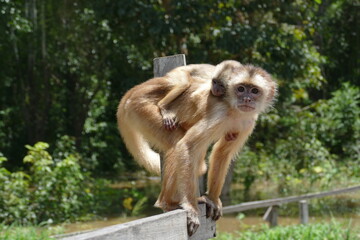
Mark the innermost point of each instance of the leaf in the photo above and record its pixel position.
(127, 203)
(139, 206)
(318, 169)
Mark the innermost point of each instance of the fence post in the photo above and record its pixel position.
(271, 215)
(304, 211)
(162, 65)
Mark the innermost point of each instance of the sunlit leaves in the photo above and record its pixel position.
(52, 191)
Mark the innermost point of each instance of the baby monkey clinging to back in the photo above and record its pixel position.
(184, 76)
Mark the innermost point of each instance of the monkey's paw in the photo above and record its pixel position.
(193, 222)
(231, 136)
(213, 208)
(169, 120)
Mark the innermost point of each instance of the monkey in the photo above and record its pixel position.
(197, 72)
(181, 78)
(203, 119)
(146, 99)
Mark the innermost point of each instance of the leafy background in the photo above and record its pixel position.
(64, 66)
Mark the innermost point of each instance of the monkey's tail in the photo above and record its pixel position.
(137, 144)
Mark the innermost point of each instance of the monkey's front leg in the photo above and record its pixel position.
(220, 159)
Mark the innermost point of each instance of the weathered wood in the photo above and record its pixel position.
(162, 65)
(304, 211)
(171, 225)
(271, 215)
(278, 201)
(202, 185)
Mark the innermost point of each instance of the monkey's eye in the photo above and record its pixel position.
(255, 91)
(241, 89)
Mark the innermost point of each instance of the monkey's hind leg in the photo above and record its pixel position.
(169, 198)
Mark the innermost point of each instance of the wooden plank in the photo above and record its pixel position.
(304, 212)
(162, 65)
(171, 225)
(278, 201)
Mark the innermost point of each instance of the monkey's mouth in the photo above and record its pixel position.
(246, 108)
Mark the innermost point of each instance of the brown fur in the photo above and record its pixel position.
(203, 119)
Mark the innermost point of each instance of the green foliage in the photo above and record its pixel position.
(15, 232)
(319, 231)
(52, 191)
(58, 190)
(14, 196)
(339, 122)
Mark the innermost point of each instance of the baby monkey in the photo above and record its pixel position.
(182, 77)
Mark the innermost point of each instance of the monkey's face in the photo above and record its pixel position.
(250, 90)
(217, 87)
(244, 87)
(248, 96)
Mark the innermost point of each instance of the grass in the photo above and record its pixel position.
(15, 232)
(319, 231)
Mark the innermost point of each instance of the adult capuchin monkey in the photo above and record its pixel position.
(203, 118)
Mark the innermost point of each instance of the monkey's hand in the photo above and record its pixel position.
(231, 136)
(213, 208)
(169, 120)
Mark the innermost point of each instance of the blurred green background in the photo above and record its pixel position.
(65, 64)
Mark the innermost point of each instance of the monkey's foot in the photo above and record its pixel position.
(193, 222)
(169, 124)
(192, 216)
(213, 209)
(169, 120)
(231, 136)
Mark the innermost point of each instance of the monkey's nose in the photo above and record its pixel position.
(247, 99)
